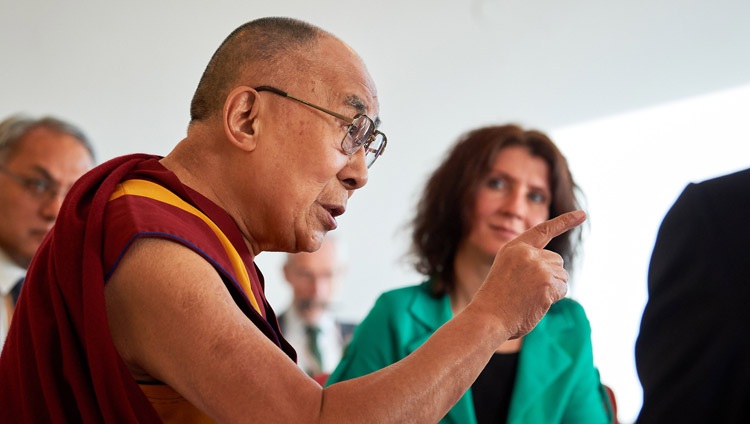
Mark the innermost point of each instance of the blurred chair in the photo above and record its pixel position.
(613, 402)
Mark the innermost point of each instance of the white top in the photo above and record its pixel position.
(329, 340)
(10, 273)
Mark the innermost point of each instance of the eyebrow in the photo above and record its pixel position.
(514, 180)
(45, 173)
(357, 103)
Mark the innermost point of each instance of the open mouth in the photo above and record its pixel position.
(333, 212)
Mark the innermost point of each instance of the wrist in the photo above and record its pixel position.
(493, 328)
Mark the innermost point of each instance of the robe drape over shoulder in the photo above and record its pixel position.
(59, 363)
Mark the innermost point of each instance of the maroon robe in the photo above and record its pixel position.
(59, 363)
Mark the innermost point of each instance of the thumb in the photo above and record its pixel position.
(541, 234)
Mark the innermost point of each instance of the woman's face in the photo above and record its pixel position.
(513, 197)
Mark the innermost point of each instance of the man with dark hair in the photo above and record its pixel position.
(39, 161)
(145, 304)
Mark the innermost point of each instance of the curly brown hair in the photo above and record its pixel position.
(443, 216)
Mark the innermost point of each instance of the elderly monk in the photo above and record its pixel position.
(144, 304)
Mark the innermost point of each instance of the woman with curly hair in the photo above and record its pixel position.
(495, 183)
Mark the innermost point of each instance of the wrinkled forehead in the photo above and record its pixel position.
(337, 71)
(42, 143)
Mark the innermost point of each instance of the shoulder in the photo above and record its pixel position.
(737, 181)
(400, 307)
(401, 296)
(712, 211)
(567, 315)
(130, 217)
(724, 194)
(129, 214)
(567, 305)
(565, 326)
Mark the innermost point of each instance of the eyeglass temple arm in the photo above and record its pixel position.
(285, 94)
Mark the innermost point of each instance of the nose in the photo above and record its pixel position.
(320, 287)
(50, 206)
(515, 204)
(354, 175)
(315, 288)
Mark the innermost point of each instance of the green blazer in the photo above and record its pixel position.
(556, 381)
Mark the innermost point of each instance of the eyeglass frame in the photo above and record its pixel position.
(365, 143)
(43, 189)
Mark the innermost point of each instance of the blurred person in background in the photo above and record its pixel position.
(309, 323)
(39, 160)
(144, 303)
(495, 183)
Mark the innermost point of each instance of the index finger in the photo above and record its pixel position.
(541, 234)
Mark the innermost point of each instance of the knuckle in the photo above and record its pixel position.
(543, 230)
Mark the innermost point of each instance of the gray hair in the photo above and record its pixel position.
(15, 127)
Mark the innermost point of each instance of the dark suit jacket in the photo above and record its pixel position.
(693, 350)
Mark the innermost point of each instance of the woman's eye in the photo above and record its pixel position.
(537, 197)
(496, 183)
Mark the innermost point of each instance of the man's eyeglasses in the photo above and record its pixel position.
(38, 188)
(360, 132)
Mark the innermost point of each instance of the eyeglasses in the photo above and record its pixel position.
(360, 132)
(38, 188)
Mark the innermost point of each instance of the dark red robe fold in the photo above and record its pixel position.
(59, 363)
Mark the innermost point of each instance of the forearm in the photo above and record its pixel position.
(523, 282)
(149, 304)
(423, 386)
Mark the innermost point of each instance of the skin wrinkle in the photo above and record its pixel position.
(282, 172)
(301, 124)
(357, 104)
(51, 155)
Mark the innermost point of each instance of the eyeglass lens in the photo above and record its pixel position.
(361, 133)
(39, 188)
(374, 149)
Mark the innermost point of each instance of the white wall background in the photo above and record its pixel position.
(643, 96)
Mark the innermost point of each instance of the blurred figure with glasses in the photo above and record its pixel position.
(493, 185)
(144, 303)
(310, 324)
(39, 161)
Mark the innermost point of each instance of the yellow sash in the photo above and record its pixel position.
(155, 191)
(170, 405)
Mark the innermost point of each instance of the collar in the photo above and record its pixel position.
(542, 358)
(430, 312)
(10, 273)
(295, 323)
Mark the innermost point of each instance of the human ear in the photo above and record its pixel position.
(239, 117)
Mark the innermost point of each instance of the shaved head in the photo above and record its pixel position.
(286, 158)
(259, 46)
